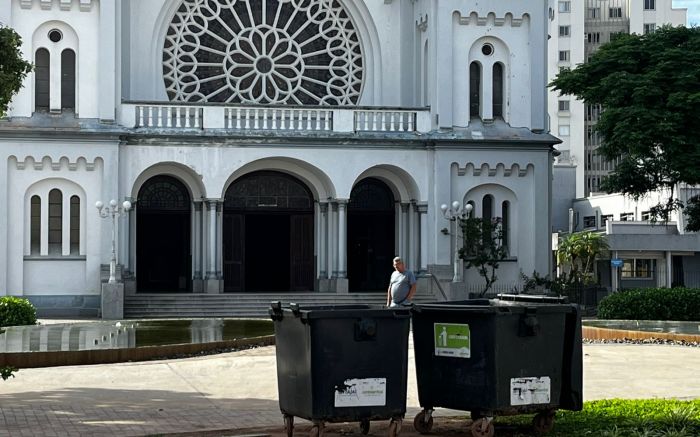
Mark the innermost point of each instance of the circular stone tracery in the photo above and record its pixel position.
(263, 51)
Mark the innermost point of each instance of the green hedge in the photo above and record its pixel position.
(681, 304)
(16, 311)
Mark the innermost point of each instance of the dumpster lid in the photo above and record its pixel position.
(338, 311)
(534, 298)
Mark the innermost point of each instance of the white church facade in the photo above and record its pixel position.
(270, 146)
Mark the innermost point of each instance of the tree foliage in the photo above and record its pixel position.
(577, 254)
(483, 247)
(13, 68)
(649, 89)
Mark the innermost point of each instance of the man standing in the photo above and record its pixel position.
(402, 285)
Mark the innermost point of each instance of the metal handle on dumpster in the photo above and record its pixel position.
(529, 325)
(276, 311)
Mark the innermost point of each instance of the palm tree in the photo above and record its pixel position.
(578, 252)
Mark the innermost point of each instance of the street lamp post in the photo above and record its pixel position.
(112, 210)
(452, 213)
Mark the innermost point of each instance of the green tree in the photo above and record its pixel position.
(578, 252)
(13, 68)
(483, 247)
(649, 89)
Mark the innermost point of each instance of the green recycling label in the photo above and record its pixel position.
(452, 340)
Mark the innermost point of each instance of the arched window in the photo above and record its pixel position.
(425, 74)
(498, 89)
(487, 207)
(41, 79)
(474, 89)
(55, 221)
(505, 223)
(68, 79)
(35, 225)
(74, 225)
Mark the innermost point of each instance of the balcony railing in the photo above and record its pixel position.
(180, 116)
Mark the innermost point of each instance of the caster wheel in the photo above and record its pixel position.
(543, 422)
(317, 430)
(289, 425)
(364, 426)
(421, 425)
(483, 428)
(394, 427)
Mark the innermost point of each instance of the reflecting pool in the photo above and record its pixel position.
(128, 334)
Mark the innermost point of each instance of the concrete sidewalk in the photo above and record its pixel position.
(238, 391)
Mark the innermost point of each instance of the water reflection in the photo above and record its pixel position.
(692, 328)
(128, 334)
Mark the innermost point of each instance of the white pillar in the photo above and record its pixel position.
(423, 218)
(413, 238)
(323, 241)
(211, 267)
(106, 60)
(342, 238)
(615, 274)
(197, 239)
(403, 231)
(333, 244)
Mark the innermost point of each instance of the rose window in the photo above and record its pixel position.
(303, 52)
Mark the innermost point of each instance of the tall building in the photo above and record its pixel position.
(578, 29)
(269, 146)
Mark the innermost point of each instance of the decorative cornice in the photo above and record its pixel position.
(470, 169)
(47, 162)
(64, 5)
(474, 19)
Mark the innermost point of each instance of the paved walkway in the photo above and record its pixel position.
(237, 391)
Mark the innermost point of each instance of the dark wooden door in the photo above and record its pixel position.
(234, 252)
(301, 252)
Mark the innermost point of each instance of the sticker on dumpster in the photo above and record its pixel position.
(368, 392)
(452, 340)
(530, 391)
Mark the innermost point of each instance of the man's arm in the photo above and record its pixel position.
(388, 295)
(411, 292)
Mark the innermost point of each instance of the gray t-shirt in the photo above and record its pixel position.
(400, 284)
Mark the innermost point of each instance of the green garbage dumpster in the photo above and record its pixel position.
(512, 355)
(341, 363)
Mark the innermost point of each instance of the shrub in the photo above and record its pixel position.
(682, 304)
(16, 311)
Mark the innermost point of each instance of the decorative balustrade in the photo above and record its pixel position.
(273, 118)
(385, 121)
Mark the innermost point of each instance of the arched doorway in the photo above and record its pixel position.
(163, 255)
(268, 234)
(370, 236)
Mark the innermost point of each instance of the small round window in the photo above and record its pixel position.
(55, 35)
(487, 49)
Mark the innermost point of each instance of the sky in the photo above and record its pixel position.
(693, 10)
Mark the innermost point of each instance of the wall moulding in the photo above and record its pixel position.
(485, 169)
(490, 19)
(64, 5)
(63, 163)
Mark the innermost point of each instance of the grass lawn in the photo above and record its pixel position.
(616, 418)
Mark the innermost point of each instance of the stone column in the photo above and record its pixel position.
(414, 237)
(197, 217)
(323, 252)
(44, 229)
(342, 238)
(423, 219)
(403, 232)
(65, 225)
(669, 270)
(211, 277)
(332, 241)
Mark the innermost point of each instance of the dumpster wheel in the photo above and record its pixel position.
(422, 425)
(395, 427)
(543, 421)
(483, 427)
(317, 430)
(289, 425)
(364, 426)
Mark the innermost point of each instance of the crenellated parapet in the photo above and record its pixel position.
(486, 169)
(48, 162)
(64, 5)
(491, 19)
